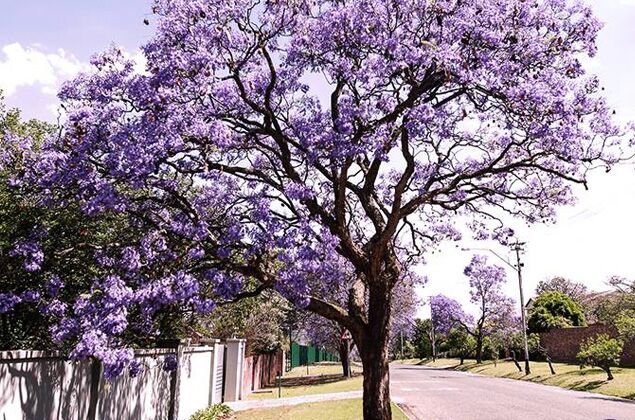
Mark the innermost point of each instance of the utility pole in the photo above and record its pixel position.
(401, 334)
(518, 247)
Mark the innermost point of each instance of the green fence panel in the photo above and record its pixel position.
(311, 355)
(295, 355)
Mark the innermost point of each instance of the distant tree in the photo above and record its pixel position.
(422, 338)
(259, 319)
(609, 307)
(574, 290)
(625, 324)
(555, 310)
(601, 351)
(460, 344)
(485, 291)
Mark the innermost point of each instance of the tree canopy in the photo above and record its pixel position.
(574, 290)
(312, 143)
(554, 310)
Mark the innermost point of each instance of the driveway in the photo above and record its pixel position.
(435, 394)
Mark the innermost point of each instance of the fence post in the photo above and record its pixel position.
(175, 384)
(216, 373)
(234, 369)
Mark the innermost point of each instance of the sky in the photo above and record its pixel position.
(43, 43)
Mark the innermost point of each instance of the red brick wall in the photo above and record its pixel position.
(564, 344)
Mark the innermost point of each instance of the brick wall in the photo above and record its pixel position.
(563, 344)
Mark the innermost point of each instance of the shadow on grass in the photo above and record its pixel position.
(585, 386)
(314, 380)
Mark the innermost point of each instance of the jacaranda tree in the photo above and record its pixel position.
(495, 310)
(300, 142)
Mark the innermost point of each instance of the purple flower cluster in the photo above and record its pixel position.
(8, 301)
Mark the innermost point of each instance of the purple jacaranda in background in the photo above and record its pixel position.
(495, 310)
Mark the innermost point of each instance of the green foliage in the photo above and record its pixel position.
(213, 412)
(421, 338)
(555, 310)
(625, 324)
(259, 319)
(460, 344)
(607, 308)
(533, 343)
(601, 351)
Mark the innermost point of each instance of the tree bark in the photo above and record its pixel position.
(479, 348)
(374, 353)
(344, 351)
(609, 374)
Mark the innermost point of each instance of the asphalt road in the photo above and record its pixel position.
(437, 394)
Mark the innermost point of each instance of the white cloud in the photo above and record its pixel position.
(31, 66)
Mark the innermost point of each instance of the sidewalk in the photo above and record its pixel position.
(278, 402)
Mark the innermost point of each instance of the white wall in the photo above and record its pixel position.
(44, 386)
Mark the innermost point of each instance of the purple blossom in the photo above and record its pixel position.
(31, 296)
(135, 368)
(55, 308)
(31, 250)
(53, 285)
(170, 363)
(8, 301)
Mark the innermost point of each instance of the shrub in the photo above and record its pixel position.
(213, 412)
(625, 324)
(601, 351)
(555, 310)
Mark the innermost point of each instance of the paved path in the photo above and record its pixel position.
(277, 402)
(437, 394)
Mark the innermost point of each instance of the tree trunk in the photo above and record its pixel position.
(609, 374)
(376, 386)
(479, 349)
(374, 353)
(344, 357)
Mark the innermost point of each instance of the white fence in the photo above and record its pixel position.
(44, 386)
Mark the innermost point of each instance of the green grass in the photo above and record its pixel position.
(320, 369)
(350, 409)
(567, 375)
(323, 379)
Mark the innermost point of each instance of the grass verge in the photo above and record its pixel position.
(323, 379)
(567, 375)
(350, 409)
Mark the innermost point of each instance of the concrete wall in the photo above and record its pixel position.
(44, 386)
(37, 385)
(198, 378)
(563, 344)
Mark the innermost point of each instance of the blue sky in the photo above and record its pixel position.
(43, 43)
(81, 27)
